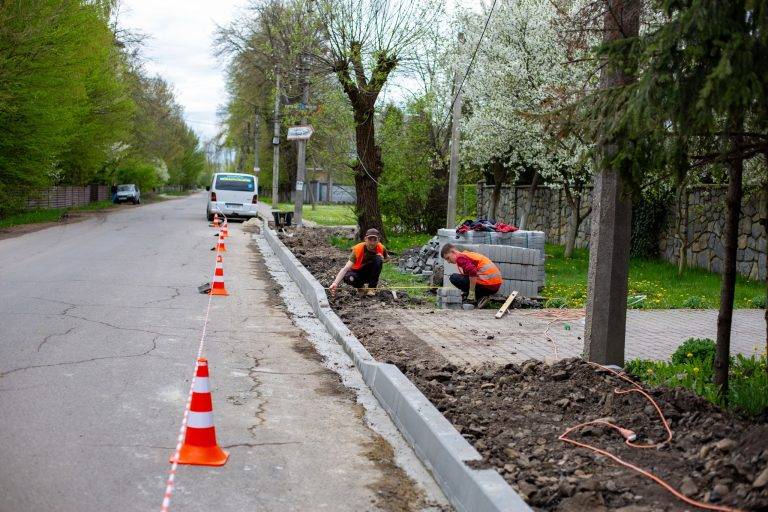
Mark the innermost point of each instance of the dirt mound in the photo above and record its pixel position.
(514, 415)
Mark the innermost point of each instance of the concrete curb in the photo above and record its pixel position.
(434, 440)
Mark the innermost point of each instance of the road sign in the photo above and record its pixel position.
(300, 132)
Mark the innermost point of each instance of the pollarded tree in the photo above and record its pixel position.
(366, 41)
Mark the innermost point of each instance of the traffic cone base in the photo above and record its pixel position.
(202, 455)
(200, 447)
(219, 291)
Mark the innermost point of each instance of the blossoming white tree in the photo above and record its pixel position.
(525, 69)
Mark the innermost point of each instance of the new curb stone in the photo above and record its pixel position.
(434, 440)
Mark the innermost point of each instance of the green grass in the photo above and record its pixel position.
(693, 369)
(178, 192)
(326, 214)
(48, 215)
(396, 242)
(657, 280)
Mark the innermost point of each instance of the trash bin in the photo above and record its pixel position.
(282, 219)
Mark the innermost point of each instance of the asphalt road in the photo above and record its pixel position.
(99, 326)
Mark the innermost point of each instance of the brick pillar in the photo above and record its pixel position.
(607, 279)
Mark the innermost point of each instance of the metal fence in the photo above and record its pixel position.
(66, 196)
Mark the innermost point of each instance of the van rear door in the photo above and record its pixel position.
(235, 189)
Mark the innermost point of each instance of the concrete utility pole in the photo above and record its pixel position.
(453, 171)
(609, 242)
(276, 144)
(301, 156)
(256, 133)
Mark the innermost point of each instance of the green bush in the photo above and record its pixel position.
(694, 302)
(692, 368)
(695, 349)
(758, 301)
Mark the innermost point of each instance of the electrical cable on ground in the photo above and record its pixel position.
(629, 439)
(170, 482)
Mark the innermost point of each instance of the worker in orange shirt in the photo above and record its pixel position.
(478, 276)
(364, 266)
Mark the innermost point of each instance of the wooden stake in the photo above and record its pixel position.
(503, 309)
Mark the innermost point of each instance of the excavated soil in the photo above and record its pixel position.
(514, 414)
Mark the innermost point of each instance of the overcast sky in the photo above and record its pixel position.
(178, 47)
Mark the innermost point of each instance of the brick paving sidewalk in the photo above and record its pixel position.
(475, 337)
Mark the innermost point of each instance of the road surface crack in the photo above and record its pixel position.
(119, 328)
(81, 361)
(254, 445)
(45, 340)
(176, 293)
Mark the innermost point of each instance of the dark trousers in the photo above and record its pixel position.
(367, 274)
(461, 282)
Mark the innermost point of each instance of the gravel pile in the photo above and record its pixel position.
(423, 261)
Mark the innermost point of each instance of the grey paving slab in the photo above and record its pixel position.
(475, 337)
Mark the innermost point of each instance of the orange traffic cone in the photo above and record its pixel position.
(220, 247)
(217, 287)
(215, 220)
(224, 230)
(200, 447)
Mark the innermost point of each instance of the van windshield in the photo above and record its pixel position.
(124, 188)
(236, 182)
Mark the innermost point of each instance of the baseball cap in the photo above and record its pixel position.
(372, 232)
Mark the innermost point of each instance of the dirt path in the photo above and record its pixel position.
(514, 414)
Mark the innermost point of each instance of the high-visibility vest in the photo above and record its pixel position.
(488, 274)
(359, 251)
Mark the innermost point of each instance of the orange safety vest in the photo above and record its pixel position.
(488, 274)
(359, 250)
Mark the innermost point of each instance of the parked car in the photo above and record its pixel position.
(233, 194)
(126, 193)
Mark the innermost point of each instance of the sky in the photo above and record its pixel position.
(178, 47)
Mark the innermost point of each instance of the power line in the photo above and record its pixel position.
(471, 62)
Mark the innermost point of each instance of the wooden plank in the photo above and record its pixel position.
(507, 303)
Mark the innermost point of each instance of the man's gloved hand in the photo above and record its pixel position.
(471, 295)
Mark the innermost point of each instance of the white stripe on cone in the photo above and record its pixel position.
(200, 419)
(201, 385)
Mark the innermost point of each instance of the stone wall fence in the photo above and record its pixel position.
(706, 218)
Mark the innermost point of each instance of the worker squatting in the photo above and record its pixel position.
(478, 277)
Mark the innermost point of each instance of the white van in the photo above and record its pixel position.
(233, 194)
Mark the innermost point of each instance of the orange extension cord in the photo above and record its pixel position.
(629, 438)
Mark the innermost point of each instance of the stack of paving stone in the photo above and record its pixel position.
(424, 262)
(519, 256)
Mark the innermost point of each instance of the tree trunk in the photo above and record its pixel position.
(735, 167)
(367, 171)
(765, 228)
(529, 202)
(574, 204)
(495, 197)
(437, 200)
(681, 227)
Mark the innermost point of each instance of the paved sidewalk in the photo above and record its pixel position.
(471, 337)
